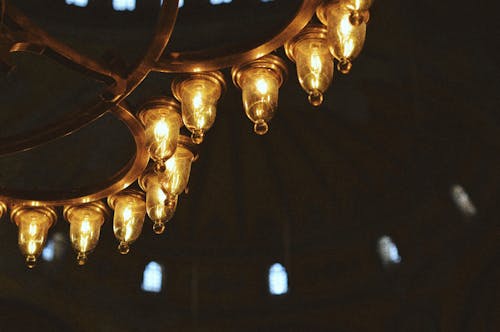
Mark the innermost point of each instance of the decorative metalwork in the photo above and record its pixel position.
(175, 152)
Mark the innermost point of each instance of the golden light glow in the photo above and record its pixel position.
(309, 50)
(162, 123)
(160, 207)
(198, 95)
(346, 30)
(175, 179)
(33, 224)
(260, 97)
(130, 211)
(85, 227)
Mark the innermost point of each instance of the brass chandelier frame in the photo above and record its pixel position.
(22, 35)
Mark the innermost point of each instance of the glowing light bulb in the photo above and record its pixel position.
(176, 177)
(160, 206)
(345, 39)
(260, 81)
(85, 227)
(33, 224)
(162, 121)
(309, 50)
(198, 95)
(130, 211)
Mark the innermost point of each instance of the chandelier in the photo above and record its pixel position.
(158, 173)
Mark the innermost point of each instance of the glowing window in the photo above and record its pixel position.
(180, 3)
(48, 251)
(79, 3)
(152, 278)
(219, 2)
(278, 279)
(55, 247)
(388, 251)
(462, 200)
(122, 5)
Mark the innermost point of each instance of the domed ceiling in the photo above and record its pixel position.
(416, 115)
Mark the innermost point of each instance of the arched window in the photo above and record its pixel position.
(122, 5)
(462, 200)
(79, 3)
(278, 279)
(218, 2)
(54, 248)
(388, 251)
(152, 278)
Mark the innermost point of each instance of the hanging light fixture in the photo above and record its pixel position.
(33, 224)
(130, 211)
(85, 227)
(162, 121)
(198, 95)
(160, 206)
(346, 35)
(260, 81)
(156, 128)
(309, 50)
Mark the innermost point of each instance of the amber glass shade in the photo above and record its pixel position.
(260, 81)
(345, 39)
(85, 227)
(160, 206)
(33, 224)
(130, 211)
(198, 95)
(309, 50)
(162, 122)
(357, 4)
(176, 176)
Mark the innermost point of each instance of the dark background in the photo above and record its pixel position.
(417, 115)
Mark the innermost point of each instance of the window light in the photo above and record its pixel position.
(278, 279)
(122, 5)
(79, 3)
(388, 251)
(152, 278)
(462, 200)
(219, 2)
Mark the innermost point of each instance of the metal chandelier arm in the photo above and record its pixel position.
(119, 181)
(109, 97)
(34, 39)
(218, 58)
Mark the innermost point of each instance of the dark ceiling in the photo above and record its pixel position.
(417, 114)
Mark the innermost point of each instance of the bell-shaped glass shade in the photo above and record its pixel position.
(314, 67)
(345, 40)
(356, 4)
(85, 228)
(199, 98)
(260, 88)
(128, 219)
(33, 224)
(160, 206)
(176, 176)
(162, 132)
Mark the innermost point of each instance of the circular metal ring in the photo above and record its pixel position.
(119, 181)
(215, 59)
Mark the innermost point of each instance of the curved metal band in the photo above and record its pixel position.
(119, 181)
(37, 39)
(73, 122)
(215, 59)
